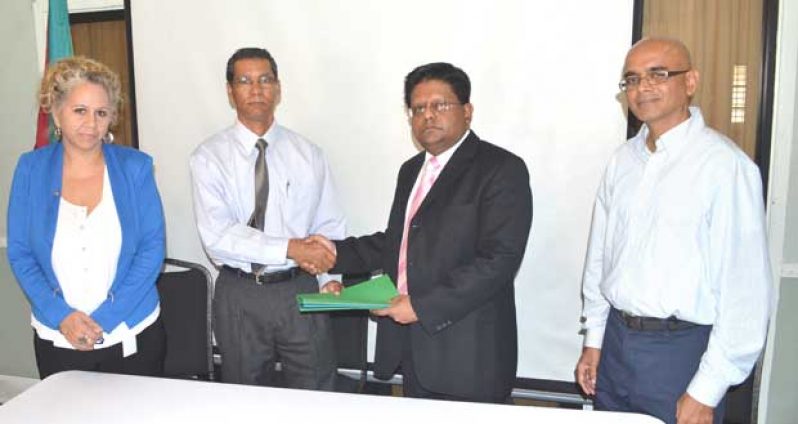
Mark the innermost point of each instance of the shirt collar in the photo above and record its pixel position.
(444, 156)
(675, 138)
(248, 139)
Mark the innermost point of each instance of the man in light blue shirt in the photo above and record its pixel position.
(677, 284)
(259, 190)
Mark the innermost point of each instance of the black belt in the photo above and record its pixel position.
(266, 277)
(654, 324)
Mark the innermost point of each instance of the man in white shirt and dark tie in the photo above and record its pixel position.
(677, 284)
(259, 189)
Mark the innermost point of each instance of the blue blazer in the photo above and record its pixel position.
(32, 217)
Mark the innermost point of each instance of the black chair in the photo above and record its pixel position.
(350, 332)
(186, 296)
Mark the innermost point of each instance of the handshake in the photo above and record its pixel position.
(315, 254)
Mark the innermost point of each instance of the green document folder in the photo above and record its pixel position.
(372, 294)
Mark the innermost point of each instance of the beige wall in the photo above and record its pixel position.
(16, 336)
(18, 80)
(781, 387)
(780, 375)
(791, 218)
(782, 406)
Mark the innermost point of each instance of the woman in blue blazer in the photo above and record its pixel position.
(86, 233)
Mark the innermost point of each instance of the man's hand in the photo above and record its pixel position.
(691, 411)
(333, 287)
(401, 310)
(80, 330)
(587, 368)
(313, 256)
(322, 240)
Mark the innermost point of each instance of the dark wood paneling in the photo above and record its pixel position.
(103, 37)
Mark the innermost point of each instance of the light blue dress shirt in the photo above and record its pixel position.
(681, 232)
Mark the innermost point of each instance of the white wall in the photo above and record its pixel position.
(544, 84)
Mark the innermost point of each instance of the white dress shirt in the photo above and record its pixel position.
(302, 199)
(84, 257)
(681, 232)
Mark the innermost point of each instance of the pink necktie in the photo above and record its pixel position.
(428, 177)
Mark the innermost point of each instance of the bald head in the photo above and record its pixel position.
(669, 48)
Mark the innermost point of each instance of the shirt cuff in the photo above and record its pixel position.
(594, 337)
(278, 247)
(706, 389)
(326, 278)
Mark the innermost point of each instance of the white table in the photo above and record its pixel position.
(85, 397)
(11, 386)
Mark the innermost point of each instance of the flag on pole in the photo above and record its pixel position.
(59, 45)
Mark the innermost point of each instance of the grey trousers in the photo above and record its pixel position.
(257, 325)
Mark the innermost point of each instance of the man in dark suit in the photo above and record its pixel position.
(456, 235)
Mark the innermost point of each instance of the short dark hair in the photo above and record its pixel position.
(442, 71)
(249, 53)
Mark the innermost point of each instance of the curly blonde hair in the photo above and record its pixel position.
(64, 75)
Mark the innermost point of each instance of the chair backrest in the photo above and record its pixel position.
(186, 313)
(350, 332)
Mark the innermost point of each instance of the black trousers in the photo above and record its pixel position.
(412, 387)
(258, 325)
(148, 359)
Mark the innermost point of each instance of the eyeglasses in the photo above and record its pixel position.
(263, 81)
(653, 77)
(435, 107)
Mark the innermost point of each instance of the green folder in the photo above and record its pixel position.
(372, 294)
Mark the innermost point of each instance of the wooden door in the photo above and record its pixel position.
(102, 36)
(725, 40)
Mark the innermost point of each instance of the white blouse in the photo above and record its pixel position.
(84, 257)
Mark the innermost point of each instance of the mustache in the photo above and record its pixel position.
(644, 99)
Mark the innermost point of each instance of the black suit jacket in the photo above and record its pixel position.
(465, 246)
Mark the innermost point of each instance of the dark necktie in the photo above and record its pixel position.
(261, 193)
